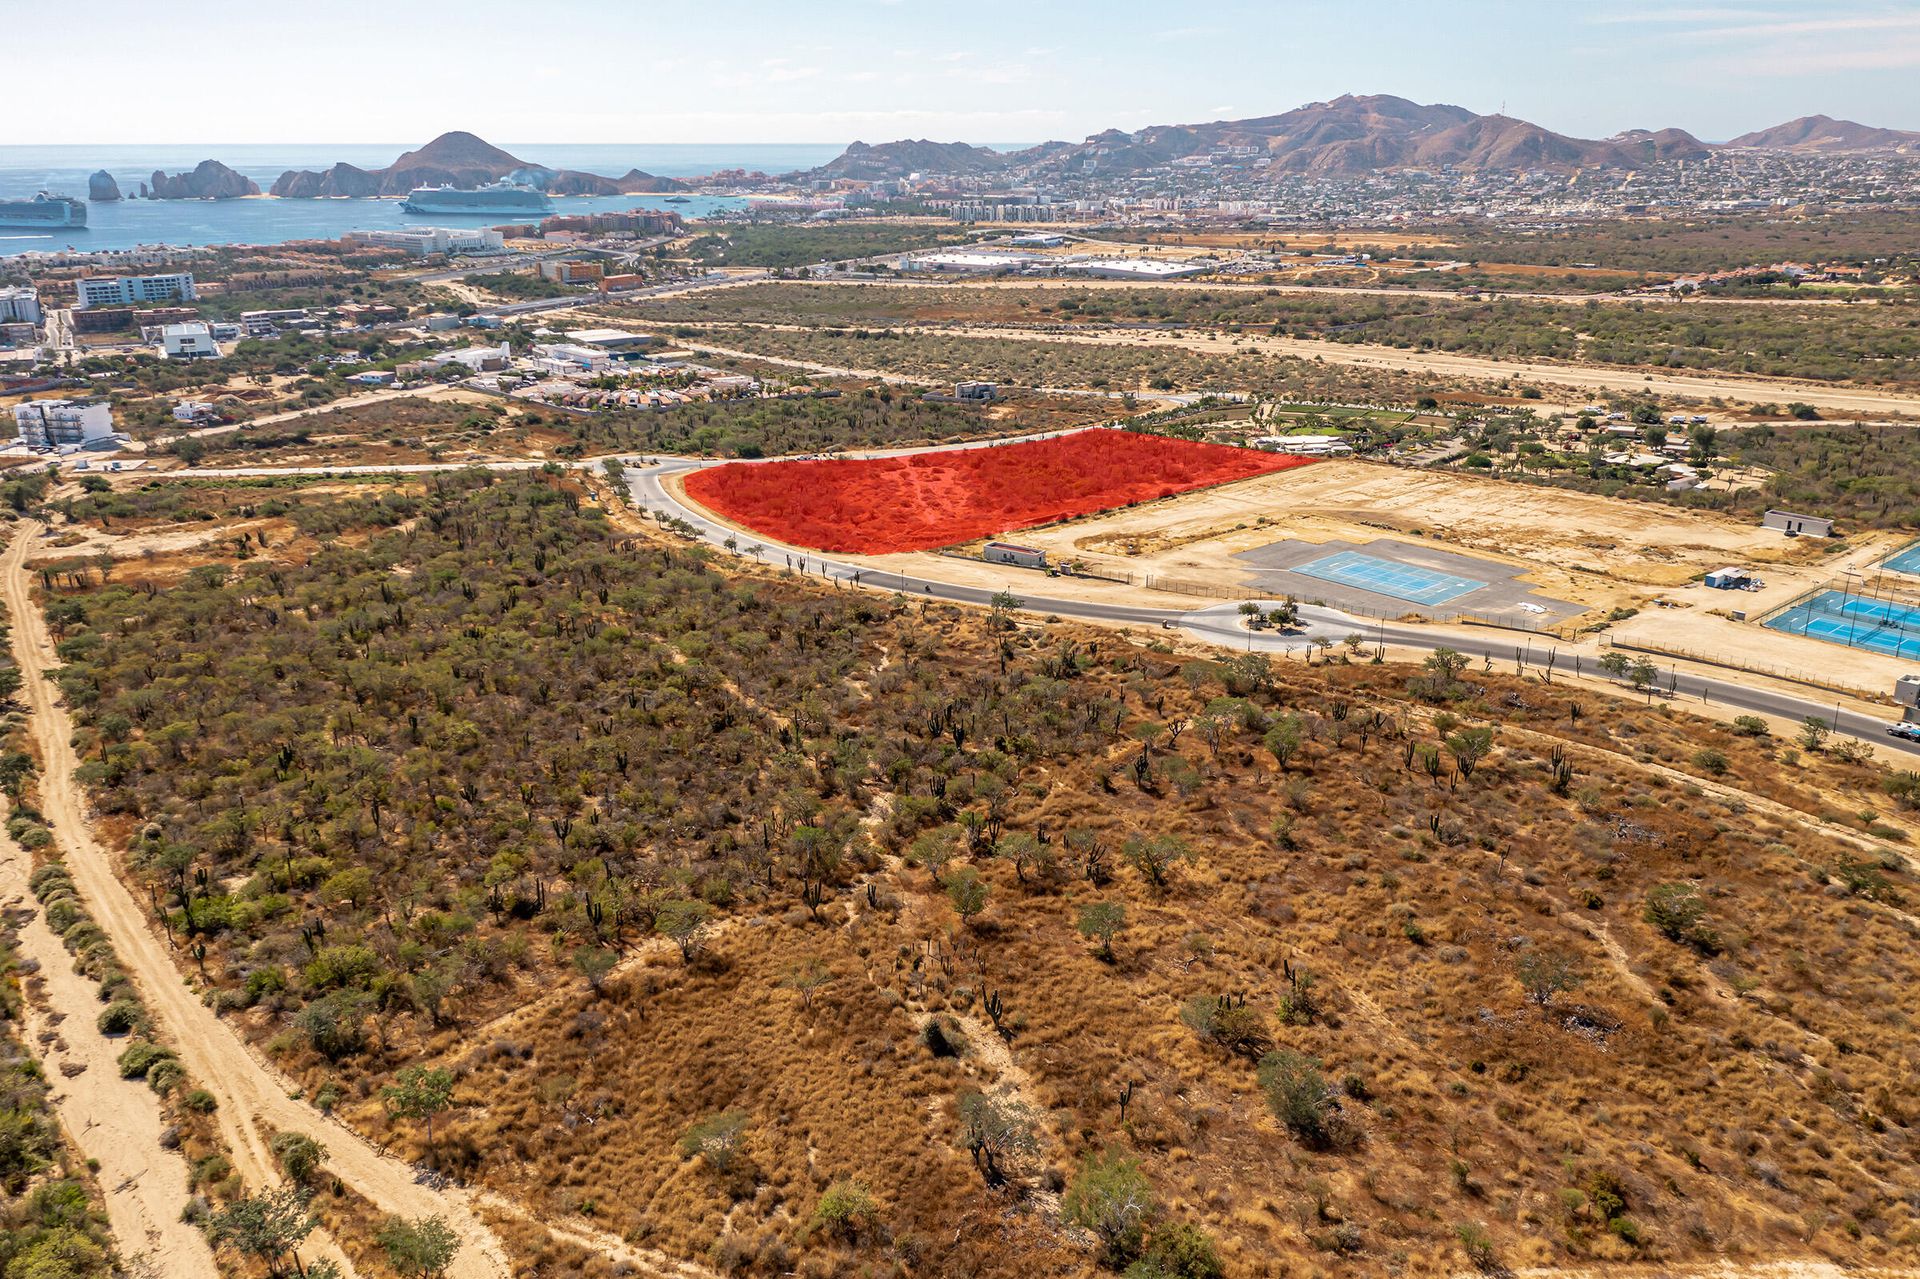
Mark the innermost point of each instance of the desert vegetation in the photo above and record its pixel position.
(1871, 342)
(784, 927)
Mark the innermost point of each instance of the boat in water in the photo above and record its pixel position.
(44, 213)
(496, 197)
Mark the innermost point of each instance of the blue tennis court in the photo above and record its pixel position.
(1907, 561)
(1858, 621)
(1384, 577)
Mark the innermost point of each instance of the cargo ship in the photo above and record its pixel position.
(497, 197)
(44, 213)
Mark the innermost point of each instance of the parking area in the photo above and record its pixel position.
(1857, 621)
(1387, 577)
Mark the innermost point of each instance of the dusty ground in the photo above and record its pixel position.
(114, 1121)
(1575, 541)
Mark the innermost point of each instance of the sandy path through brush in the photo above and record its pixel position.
(254, 1099)
(114, 1121)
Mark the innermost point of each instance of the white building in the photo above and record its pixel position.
(421, 241)
(19, 305)
(1137, 269)
(127, 290)
(196, 411)
(50, 424)
(476, 359)
(188, 342)
(1305, 445)
(562, 358)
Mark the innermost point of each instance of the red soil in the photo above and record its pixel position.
(915, 503)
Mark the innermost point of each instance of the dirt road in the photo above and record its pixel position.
(255, 1100)
(112, 1120)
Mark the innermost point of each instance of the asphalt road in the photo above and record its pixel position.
(1220, 624)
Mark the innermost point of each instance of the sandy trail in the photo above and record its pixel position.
(112, 1120)
(255, 1100)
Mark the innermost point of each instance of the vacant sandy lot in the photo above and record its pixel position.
(1580, 547)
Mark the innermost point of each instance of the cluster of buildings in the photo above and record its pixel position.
(428, 241)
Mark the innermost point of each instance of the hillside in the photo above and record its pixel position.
(791, 929)
(460, 160)
(1821, 133)
(1347, 135)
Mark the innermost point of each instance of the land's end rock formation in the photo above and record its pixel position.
(459, 160)
(210, 180)
(102, 189)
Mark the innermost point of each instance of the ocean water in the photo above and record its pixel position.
(64, 171)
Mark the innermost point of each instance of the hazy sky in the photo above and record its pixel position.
(981, 71)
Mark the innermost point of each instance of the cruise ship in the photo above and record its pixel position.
(497, 197)
(44, 213)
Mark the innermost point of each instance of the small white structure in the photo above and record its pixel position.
(976, 390)
(1796, 525)
(188, 342)
(1008, 553)
(52, 424)
(195, 411)
(1729, 579)
(128, 290)
(1305, 445)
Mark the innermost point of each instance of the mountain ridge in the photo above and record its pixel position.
(1347, 135)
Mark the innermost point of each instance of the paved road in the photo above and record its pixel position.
(1220, 624)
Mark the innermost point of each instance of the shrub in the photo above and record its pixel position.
(1178, 1250)
(164, 1076)
(717, 1137)
(1750, 726)
(299, 1155)
(200, 1102)
(1302, 1099)
(1708, 760)
(1677, 911)
(120, 1017)
(1111, 1197)
(846, 1208)
(141, 1057)
(1231, 1024)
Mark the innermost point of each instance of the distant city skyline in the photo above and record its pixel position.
(832, 71)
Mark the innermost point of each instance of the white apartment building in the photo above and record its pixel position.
(19, 305)
(50, 424)
(421, 241)
(188, 342)
(129, 290)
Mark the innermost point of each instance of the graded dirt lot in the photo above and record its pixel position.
(1580, 547)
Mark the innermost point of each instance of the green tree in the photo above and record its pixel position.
(685, 921)
(419, 1093)
(967, 892)
(1155, 856)
(418, 1247)
(1545, 973)
(1300, 1097)
(594, 963)
(1102, 921)
(266, 1227)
